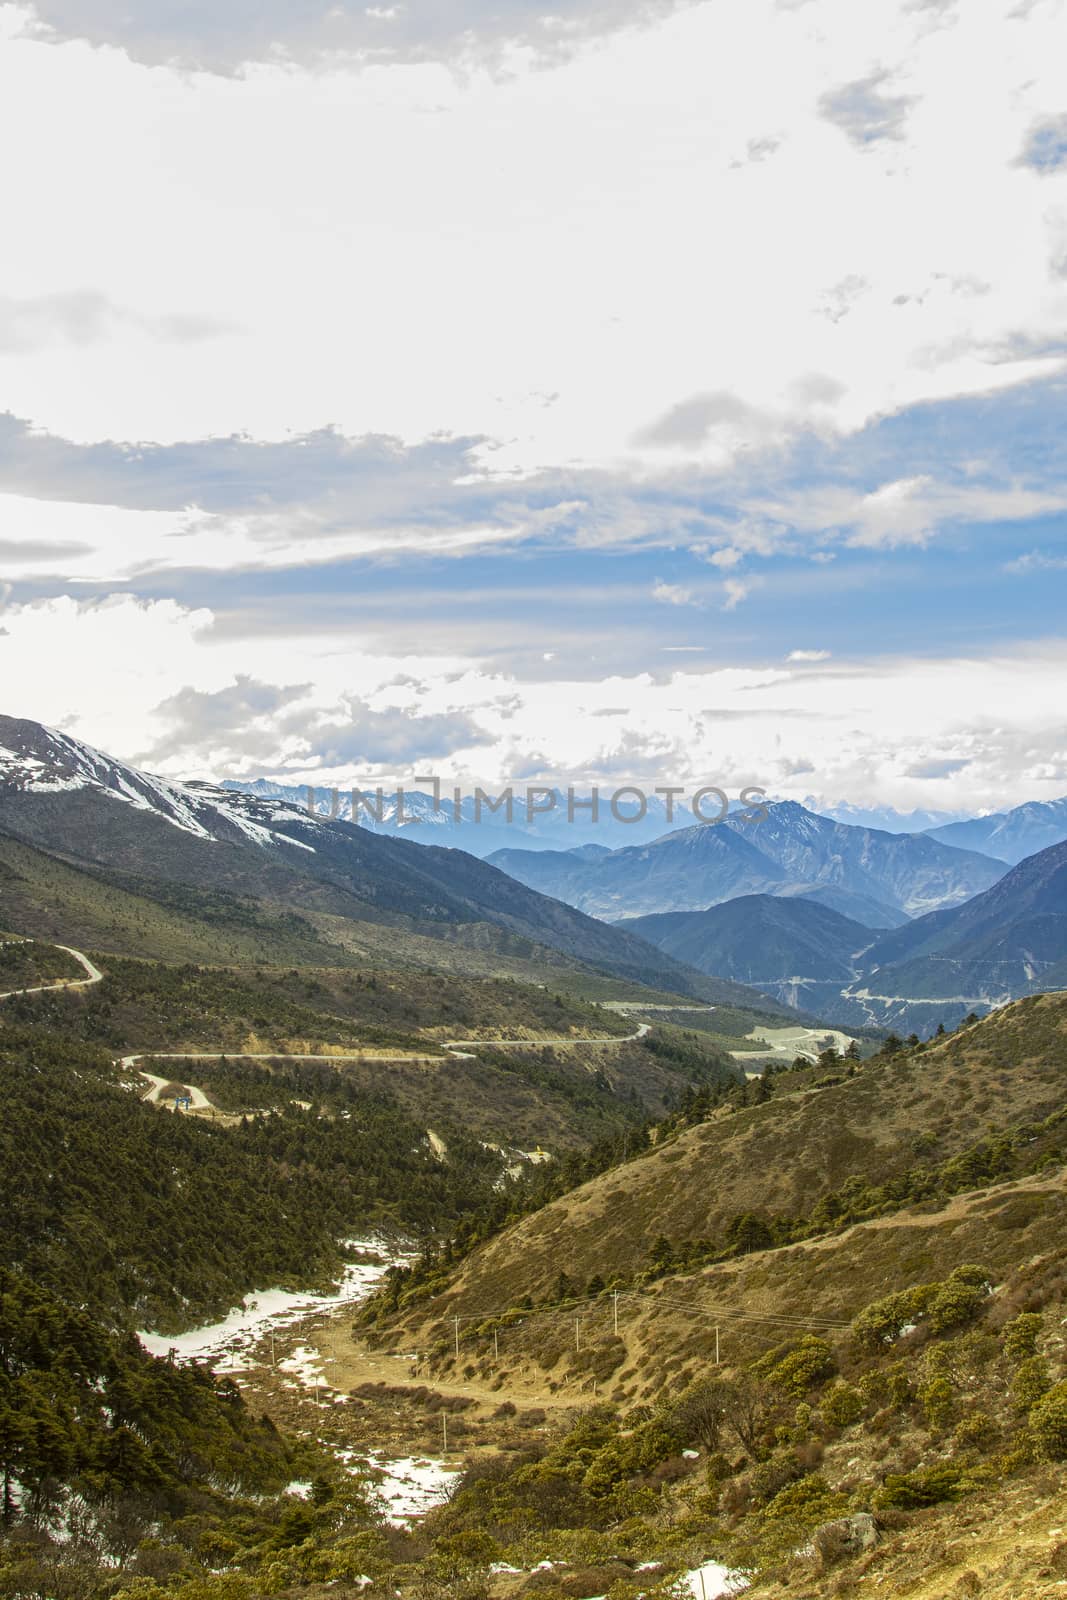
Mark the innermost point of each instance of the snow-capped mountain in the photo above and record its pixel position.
(35, 760)
(1010, 835)
(130, 828)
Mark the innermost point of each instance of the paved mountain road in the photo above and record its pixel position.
(93, 975)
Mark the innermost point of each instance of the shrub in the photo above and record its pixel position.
(770, 1477)
(888, 1386)
(1048, 1422)
(977, 1277)
(1021, 1334)
(1030, 1383)
(926, 1486)
(955, 1304)
(974, 1431)
(801, 1368)
(808, 1500)
(885, 1320)
(937, 1399)
(843, 1405)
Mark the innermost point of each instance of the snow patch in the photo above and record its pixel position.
(228, 1344)
(408, 1486)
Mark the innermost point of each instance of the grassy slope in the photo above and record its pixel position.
(46, 898)
(667, 1330)
(50, 900)
(778, 1159)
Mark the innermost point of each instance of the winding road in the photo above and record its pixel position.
(93, 974)
(199, 1101)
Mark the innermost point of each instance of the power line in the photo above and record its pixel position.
(610, 1307)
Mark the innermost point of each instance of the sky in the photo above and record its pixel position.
(661, 392)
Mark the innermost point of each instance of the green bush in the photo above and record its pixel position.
(770, 1477)
(1048, 1422)
(843, 1405)
(888, 1386)
(974, 1431)
(801, 1369)
(955, 1304)
(1020, 1335)
(810, 1500)
(885, 1320)
(1030, 1383)
(937, 1399)
(977, 1277)
(926, 1486)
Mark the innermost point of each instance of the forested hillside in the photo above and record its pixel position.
(793, 1325)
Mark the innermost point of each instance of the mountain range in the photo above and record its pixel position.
(1006, 836)
(1008, 942)
(538, 820)
(858, 926)
(876, 878)
(1009, 835)
(84, 808)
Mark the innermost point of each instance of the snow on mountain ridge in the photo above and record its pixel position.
(39, 760)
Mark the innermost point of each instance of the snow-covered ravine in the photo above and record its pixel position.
(227, 1345)
(408, 1486)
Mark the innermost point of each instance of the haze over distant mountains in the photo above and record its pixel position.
(1005, 943)
(877, 878)
(472, 826)
(857, 925)
(1006, 836)
(82, 806)
(1010, 835)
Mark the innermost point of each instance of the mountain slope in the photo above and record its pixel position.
(1009, 835)
(909, 871)
(760, 939)
(94, 812)
(474, 827)
(664, 875)
(790, 851)
(778, 1160)
(1010, 940)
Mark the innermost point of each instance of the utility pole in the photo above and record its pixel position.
(496, 1345)
(716, 1344)
(577, 1333)
(273, 1354)
(615, 1308)
(455, 1321)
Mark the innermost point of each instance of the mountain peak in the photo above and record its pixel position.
(37, 760)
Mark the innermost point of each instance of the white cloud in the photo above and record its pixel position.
(905, 511)
(808, 655)
(671, 594)
(225, 38)
(389, 242)
(735, 591)
(287, 705)
(81, 317)
(1036, 561)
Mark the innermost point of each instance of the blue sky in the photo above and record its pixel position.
(677, 391)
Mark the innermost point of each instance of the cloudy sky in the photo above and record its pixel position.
(661, 391)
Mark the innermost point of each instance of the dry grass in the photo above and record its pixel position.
(778, 1159)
